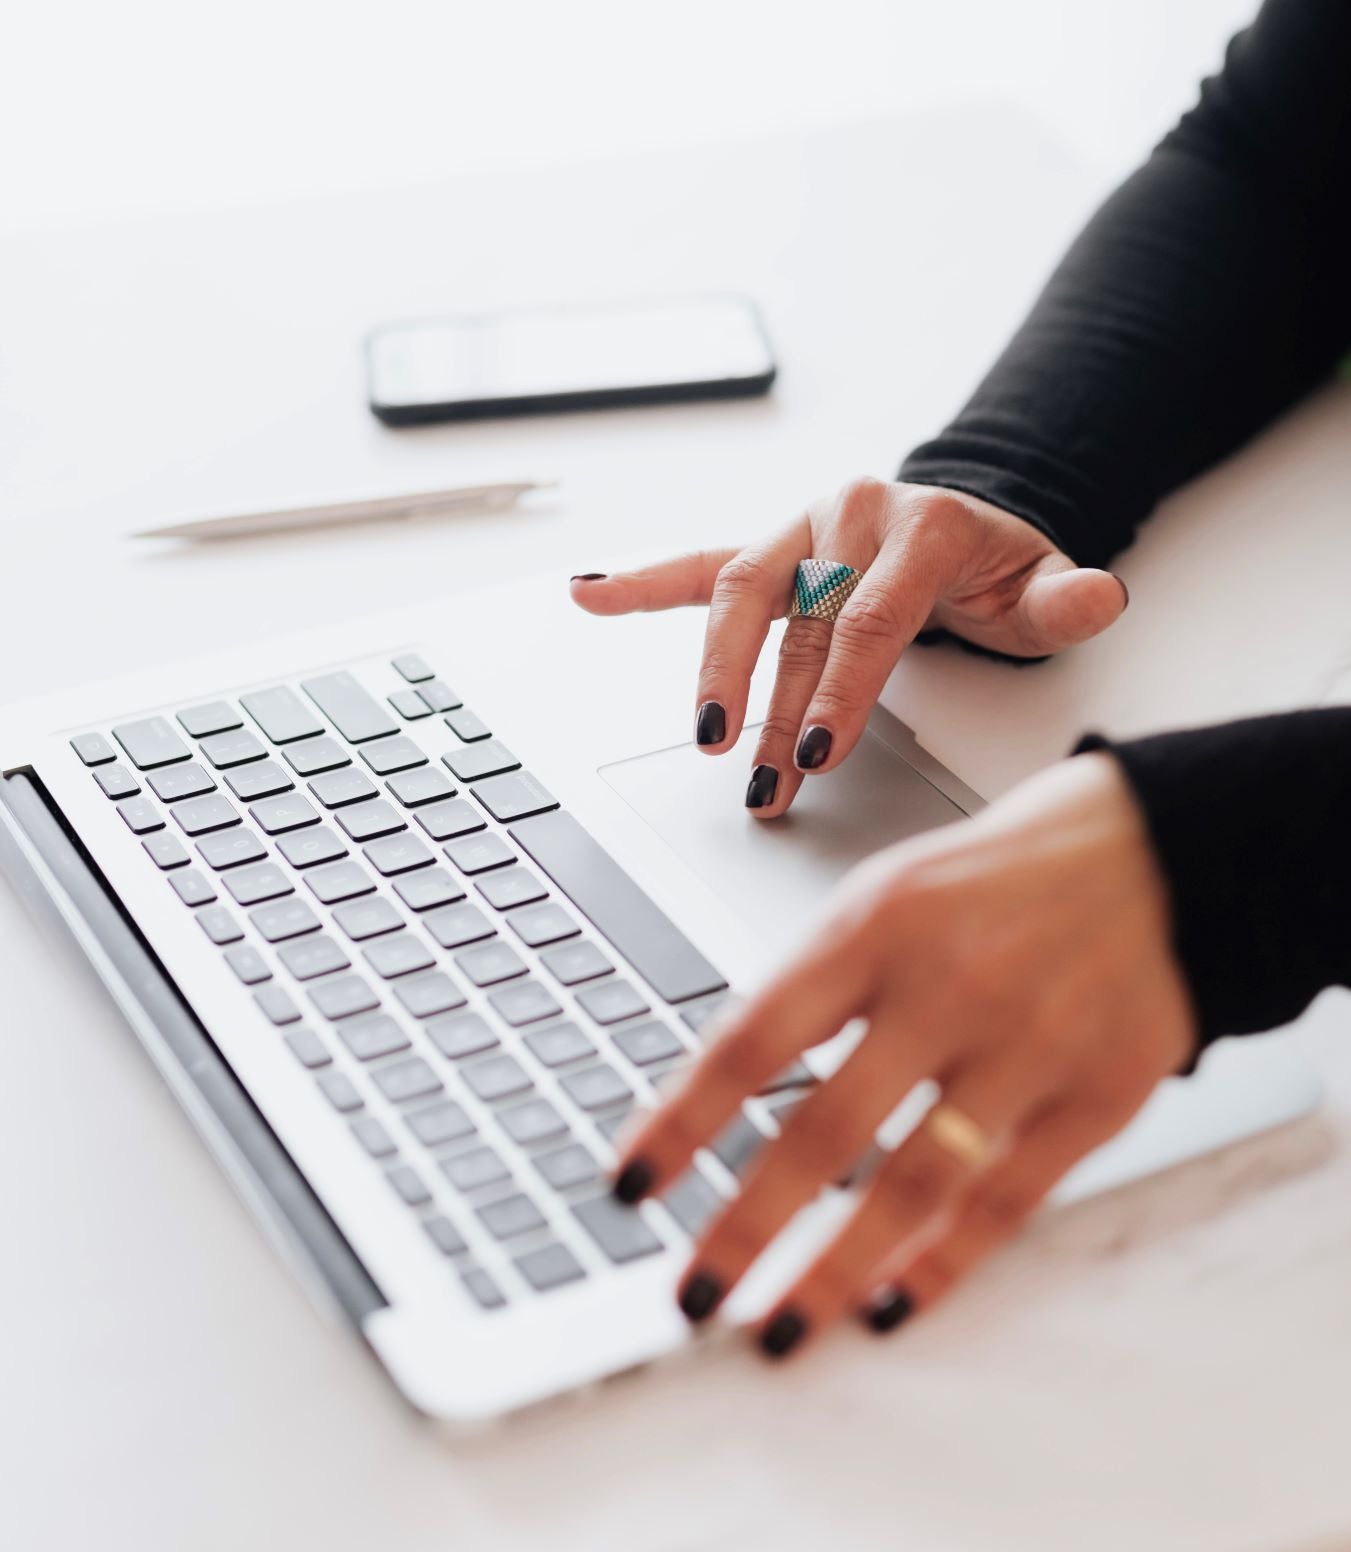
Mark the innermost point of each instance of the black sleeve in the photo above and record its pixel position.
(1209, 292)
(1252, 823)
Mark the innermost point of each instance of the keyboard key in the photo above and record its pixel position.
(425, 995)
(646, 1043)
(407, 1080)
(446, 1122)
(274, 816)
(281, 714)
(612, 1001)
(478, 853)
(610, 1126)
(316, 755)
(414, 788)
(596, 1088)
(340, 1091)
(692, 1202)
(308, 848)
(700, 1016)
(356, 714)
(393, 754)
(474, 761)
(574, 963)
(262, 779)
(515, 796)
(738, 1143)
(468, 726)
(198, 816)
(188, 780)
(214, 717)
(336, 789)
(219, 925)
(445, 1236)
(263, 881)
(248, 964)
(496, 1077)
(308, 957)
(166, 851)
(373, 1137)
(511, 1216)
(93, 748)
(277, 1004)
(368, 1038)
(567, 1167)
(543, 924)
(559, 1044)
(365, 821)
(398, 955)
(409, 1185)
(231, 848)
(473, 1170)
(512, 887)
(482, 1289)
(307, 1048)
(362, 919)
(465, 1035)
(534, 1122)
(227, 749)
(488, 963)
(427, 889)
(456, 925)
(549, 1267)
(411, 667)
(117, 781)
(150, 743)
(437, 696)
(622, 1233)
(524, 1002)
(140, 815)
(455, 817)
(342, 881)
(409, 705)
(286, 919)
(192, 887)
(397, 854)
(341, 998)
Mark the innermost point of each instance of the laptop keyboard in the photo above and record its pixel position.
(479, 990)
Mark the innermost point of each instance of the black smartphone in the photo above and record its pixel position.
(535, 360)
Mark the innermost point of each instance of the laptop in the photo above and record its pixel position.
(414, 913)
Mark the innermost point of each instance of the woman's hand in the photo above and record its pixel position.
(1022, 961)
(933, 558)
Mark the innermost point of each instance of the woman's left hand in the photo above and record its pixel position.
(1023, 961)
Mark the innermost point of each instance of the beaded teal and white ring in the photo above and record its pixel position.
(822, 589)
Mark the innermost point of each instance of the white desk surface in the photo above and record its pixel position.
(1166, 1367)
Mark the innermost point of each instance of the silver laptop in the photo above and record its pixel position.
(414, 913)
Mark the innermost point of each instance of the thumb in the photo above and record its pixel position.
(1060, 608)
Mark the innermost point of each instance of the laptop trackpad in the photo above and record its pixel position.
(775, 873)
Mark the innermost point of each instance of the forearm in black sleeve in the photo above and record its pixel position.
(1209, 292)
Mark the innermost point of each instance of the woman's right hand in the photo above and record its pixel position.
(933, 558)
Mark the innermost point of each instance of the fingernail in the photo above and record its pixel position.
(1125, 590)
(813, 748)
(710, 726)
(700, 1296)
(889, 1308)
(764, 783)
(634, 1182)
(588, 576)
(782, 1334)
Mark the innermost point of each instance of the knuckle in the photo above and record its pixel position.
(998, 1211)
(870, 620)
(743, 574)
(915, 1183)
(777, 730)
(804, 644)
(717, 667)
(859, 495)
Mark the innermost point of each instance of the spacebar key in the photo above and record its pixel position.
(355, 714)
(602, 890)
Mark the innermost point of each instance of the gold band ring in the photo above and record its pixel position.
(954, 1130)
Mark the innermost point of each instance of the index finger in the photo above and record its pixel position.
(669, 584)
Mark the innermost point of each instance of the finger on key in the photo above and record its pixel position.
(669, 584)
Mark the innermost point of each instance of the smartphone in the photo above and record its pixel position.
(535, 360)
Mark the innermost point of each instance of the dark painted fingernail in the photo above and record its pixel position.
(813, 748)
(634, 1182)
(1125, 590)
(588, 576)
(889, 1309)
(782, 1334)
(710, 726)
(764, 783)
(700, 1296)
